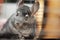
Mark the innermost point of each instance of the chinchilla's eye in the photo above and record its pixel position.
(18, 12)
(26, 15)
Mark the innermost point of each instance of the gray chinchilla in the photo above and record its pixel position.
(22, 22)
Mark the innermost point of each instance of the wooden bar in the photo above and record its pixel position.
(52, 28)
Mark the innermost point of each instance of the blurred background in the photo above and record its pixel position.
(7, 8)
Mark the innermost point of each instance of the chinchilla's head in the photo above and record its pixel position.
(26, 12)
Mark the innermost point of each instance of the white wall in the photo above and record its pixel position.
(7, 10)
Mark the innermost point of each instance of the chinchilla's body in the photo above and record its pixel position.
(21, 24)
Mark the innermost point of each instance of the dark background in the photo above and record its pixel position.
(14, 1)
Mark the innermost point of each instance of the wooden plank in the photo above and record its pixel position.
(52, 26)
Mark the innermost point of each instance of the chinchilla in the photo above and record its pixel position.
(22, 22)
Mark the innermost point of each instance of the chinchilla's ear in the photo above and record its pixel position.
(20, 3)
(35, 8)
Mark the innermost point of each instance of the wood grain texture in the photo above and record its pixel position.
(53, 21)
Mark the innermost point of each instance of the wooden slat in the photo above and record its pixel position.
(52, 26)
